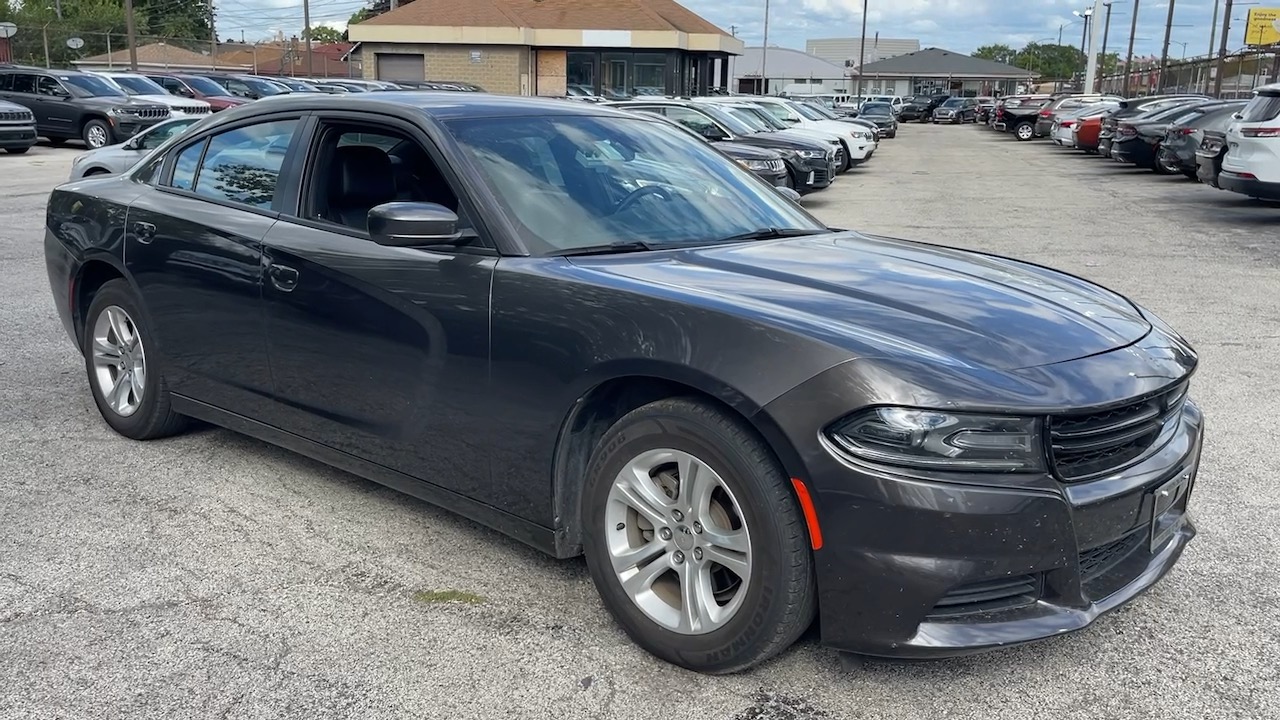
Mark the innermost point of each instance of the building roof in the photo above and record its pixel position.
(936, 62)
(659, 15)
(274, 59)
(153, 55)
(786, 63)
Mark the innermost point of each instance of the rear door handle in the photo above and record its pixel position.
(283, 277)
(144, 231)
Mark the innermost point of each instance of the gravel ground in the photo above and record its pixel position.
(214, 576)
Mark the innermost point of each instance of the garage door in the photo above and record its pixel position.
(394, 66)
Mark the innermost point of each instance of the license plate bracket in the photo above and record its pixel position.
(1169, 506)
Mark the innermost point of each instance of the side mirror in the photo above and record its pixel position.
(413, 224)
(184, 92)
(787, 193)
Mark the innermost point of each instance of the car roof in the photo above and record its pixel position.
(442, 105)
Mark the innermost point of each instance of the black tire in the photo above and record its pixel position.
(154, 417)
(91, 128)
(17, 151)
(1024, 131)
(780, 597)
(57, 142)
(848, 161)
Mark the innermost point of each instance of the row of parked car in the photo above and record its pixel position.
(109, 107)
(800, 144)
(1227, 144)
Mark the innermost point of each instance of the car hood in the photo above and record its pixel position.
(881, 297)
(782, 140)
(746, 152)
(169, 101)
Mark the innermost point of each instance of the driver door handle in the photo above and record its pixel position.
(283, 277)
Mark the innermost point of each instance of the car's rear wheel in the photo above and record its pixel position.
(120, 359)
(17, 150)
(694, 539)
(96, 134)
(1024, 131)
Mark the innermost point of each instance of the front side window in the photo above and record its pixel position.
(585, 181)
(184, 167)
(49, 87)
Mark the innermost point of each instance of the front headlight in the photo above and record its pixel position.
(812, 154)
(935, 440)
(756, 165)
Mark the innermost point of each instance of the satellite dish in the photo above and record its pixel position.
(75, 43)
(8, 30)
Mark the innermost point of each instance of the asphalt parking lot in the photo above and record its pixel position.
(214, 576)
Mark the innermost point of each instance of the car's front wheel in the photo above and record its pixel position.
(97, 134)
(120, 359)
(694, 538)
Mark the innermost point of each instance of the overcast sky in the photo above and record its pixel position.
(960, 25)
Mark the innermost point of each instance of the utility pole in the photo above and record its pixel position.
(45, 33)
(1106, 33)
(213, 40)
(306, 24)
(1084, 50)
(132, 35)
(862, 48)
(1222, 50)
(57, 8)
(1164, 50)
(764, 53)
(1128, 63)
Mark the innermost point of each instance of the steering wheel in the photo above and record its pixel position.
(642, 192)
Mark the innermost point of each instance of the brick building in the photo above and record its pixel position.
(549, 47)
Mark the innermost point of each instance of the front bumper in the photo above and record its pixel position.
(1252, 187)
(897, 552)
(127, 126)
(17, 136)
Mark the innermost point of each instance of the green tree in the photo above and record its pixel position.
(998, 53)
(91, 21)
(1051, 61)
(324, 35)
(180, 23)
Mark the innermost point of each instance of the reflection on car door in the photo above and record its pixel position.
(194, 248)
(380, 352)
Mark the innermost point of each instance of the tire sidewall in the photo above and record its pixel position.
(762, 609)
(118, 293)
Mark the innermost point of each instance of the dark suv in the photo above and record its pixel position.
(70, 105)
(17, 128)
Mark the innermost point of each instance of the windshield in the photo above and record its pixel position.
(823, 113)
(205, 86)
(766, 117)
(807, 110)
(91, 86)
(877, 109)
(295, 85)
(953, 103)
(726, 117)
(262, 87)
(571, 182)
(751, 119)
(135, 85)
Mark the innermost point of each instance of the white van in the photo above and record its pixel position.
(1252, 163)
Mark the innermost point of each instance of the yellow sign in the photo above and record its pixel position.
(1263, 27)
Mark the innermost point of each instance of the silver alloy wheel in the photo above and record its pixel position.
(96, 137)
(1025, 132)
(678, 541)
(119, 361)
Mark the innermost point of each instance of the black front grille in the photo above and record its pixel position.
(1088, 445)
(988, 596)
(821, 176)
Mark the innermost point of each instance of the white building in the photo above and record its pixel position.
(789, 71)
(845, 51)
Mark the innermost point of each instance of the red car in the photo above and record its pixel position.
(1086, 131)
(200, 88)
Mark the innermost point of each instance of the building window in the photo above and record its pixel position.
(580, 71)
(615, 78)
(650, 74)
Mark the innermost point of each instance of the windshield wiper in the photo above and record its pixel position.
(629, 246)
(771, 233)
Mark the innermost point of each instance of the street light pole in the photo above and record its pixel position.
(1106, 32)
(1222, 49)
(1164, 49)
(764, 53)
(1128, 63)
(862, 48)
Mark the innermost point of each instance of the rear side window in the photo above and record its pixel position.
(243, 165)
(23, 83)
(1261, 109)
